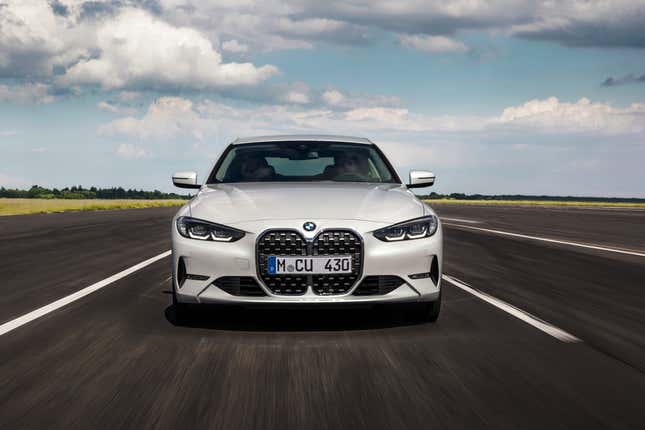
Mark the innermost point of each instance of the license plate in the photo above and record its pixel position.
(309, 265)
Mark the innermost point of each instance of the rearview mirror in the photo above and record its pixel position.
(185, 180)
(420, 179)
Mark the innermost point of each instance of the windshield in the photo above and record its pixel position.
(303, 161)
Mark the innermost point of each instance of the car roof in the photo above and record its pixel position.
(302, 137)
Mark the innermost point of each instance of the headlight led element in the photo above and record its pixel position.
(417, 228)
(203, 230)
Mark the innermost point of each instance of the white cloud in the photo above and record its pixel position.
(28, 40)
(338, 99)
(263, 25)
(108, 107)
(389, 117)
(296, 93)
(284, 24)
(173, 117)
(403, 121)
(333, 97)
(116, 108)
(8, 133)
(584, 22)
(117, 47)
(138, 49)
(296, 97)
(175, 44)
(130, 152)
(166, 118)
(26, 93)
(235, 47)
(434, 44)
(307, 27)
(114, 44)
(552, 116)
(571, 22)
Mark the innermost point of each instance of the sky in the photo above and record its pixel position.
(494, 97)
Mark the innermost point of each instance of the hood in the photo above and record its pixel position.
(236, 203)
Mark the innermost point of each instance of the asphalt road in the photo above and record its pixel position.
(116, 359)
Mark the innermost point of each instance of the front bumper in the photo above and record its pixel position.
(213, 260)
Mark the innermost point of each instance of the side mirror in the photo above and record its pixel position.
(185, 180)
(420, 179)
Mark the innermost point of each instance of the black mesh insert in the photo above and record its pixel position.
(337, 242)
(290, 243)
(239, 286)
(434, 270)
(281, 242)
(378, 285)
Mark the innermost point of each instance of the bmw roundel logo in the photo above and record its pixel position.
(309, 226)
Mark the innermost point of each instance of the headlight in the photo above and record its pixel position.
(417, 228)
(203, 230)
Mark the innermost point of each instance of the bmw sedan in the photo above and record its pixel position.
(306, 220)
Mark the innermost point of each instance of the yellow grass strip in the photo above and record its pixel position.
(536, 203)
(34, 206)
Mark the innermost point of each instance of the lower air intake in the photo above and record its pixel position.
(434, 270)
(378, 285)
(239, 286)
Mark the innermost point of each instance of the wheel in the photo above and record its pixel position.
(427, 312)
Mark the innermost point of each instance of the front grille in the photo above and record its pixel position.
(239, 286)
(335, 242)
(378, 285)
(283, 242)
(291, 243)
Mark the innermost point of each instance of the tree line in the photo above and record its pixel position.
(462, 196)
(79, 192)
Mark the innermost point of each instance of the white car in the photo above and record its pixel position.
(306, 220)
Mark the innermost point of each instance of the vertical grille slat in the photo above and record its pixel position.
(291, 243)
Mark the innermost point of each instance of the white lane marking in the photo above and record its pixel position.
(546, 239)
(516, 312)
(467, 221)
(20, 321)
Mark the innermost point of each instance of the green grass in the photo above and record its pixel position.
(36, 206)
(536, 203)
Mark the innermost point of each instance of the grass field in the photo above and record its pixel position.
(35, 206)
(536, 203)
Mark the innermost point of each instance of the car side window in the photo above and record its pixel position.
(225, 168)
